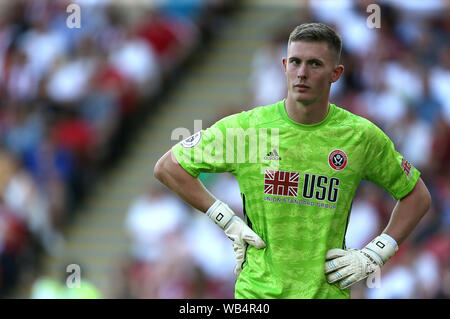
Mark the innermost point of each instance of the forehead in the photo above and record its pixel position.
(309, 50)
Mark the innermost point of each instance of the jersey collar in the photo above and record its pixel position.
(282, 109)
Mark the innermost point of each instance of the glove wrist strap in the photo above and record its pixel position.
(384, 246)
(220, 213)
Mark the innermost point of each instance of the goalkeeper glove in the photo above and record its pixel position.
(350, 266)
(236, 230)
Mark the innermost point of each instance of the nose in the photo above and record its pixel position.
(302, 71)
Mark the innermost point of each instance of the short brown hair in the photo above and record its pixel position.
(317, 32)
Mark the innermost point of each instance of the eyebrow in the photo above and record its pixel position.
(292, 58)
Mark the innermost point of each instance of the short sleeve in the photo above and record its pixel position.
(386, 167)
(205, 151)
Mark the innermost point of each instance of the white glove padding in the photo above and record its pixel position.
(352, 265)
(236, 230)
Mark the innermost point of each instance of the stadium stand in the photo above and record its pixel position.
(71, 100)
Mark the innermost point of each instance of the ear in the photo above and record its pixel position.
(284, 60)
(337, 72)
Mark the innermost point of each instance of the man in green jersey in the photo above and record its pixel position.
(298, 163)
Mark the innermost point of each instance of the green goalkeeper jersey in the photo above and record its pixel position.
(297, 184)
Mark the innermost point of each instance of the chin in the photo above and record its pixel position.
(304, 100)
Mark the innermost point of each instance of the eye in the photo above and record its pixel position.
(315, 64)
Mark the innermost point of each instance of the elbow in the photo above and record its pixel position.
(159, 171)
(424, 198)
(164, 168)
(419, 199)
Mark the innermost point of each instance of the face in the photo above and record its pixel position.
(310, 68)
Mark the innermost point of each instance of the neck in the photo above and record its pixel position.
(306, 113)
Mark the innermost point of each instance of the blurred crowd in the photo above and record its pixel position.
(71, 94)
(183, 254)
(398, 76)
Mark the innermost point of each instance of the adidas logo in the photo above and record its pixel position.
(272, 156)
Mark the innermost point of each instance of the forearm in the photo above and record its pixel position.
(407, 212)
(169, 172)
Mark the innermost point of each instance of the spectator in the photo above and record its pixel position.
(427, 270)
(364, 220)
(24, 127)
(137, 61)
(227, 189)
(440, 77)
(50, 44)
(170, 37)
(19, 80)
(210, 255)
(266, 79)
(384, 106)
(52, 168)
(13, 239)
(427, 107)
(414, 138)
(23, 196)
(151, 220)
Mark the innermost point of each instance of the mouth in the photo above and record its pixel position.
(301, 87)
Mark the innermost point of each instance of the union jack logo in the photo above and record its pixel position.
(281, 183)
(406, 166)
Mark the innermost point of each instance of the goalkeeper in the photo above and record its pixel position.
(297, 196)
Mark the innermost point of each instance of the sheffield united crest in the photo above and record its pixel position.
(337, 160)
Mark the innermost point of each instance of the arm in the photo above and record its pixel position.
(408, 211)
(169, 172)
(192, 191)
